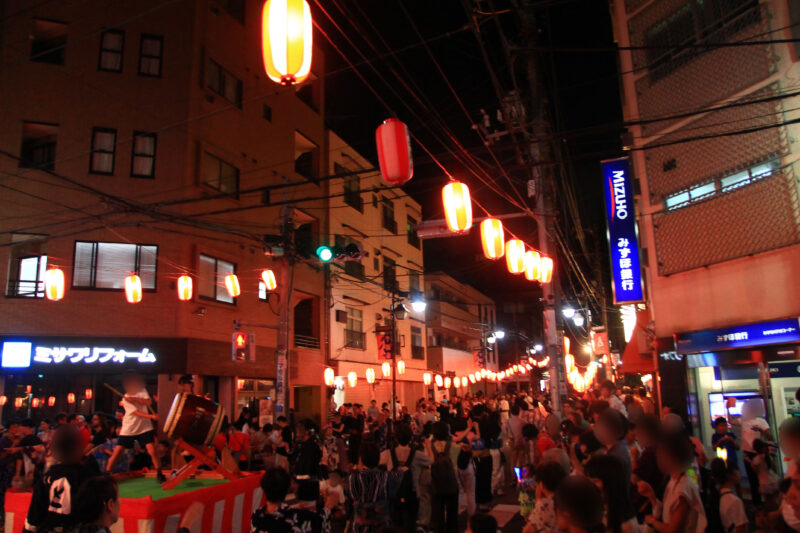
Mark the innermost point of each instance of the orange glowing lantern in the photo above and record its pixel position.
(478, 376)
(522, 369)
(352, 379)
(457, 206)
(51, 401)
(3, 400)
(54, 284)
(472, 378)
(133, 289)
(426, 378)
(232, 285)
(185, 288)
(286, 40)
(329, 377)
(268, 277)
(28, 388)
(71, 398)
(88, 393)
(493, 238)
(386, 368)
(447, 382)
(515, 256)
(546, 270)
(501, 375)
(533, 262)
(439, 381)
(401, 367)
(35, 403)
(239, 384)
(18, 402)
(370, 376)
(484, 372)
(394, 152)
(457, 382)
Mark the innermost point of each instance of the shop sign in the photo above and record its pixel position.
(22, 354)
(760, 334)
(623, 238)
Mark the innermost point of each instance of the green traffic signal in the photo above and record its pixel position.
(325, 254)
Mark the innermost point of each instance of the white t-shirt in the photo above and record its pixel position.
(685, 488)
(750, 432)
(338, 489)
(133, 424)
(731, 511)
(615, 403)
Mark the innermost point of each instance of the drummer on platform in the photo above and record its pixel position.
(136, 423)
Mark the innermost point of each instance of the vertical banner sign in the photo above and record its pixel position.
(280, 384)
(623, 239)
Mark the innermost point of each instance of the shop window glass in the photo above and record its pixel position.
(211, 282)
(105, 265)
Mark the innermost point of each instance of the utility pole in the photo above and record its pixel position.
(285, 308)
(541, 151)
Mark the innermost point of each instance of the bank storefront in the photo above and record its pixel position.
(754, 364)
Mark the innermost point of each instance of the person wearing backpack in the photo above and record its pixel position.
(403, 456)
(371, 490)
(444, 485)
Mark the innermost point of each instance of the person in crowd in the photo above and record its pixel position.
(371, 490)
(550, 437)
(605, 471)
(579, 506)
(608, 394)
(282, 442)
(725, 439)
(444, 487)
(542, 519)
(410, 493)
(754, 426)
(136, 424)
(681, 508)
(372, 410)
(186, 384)
(763, 464)
(648, 407)
(334, 485)
(79, 421)
(731, 508)
(610, 430)
(307, 455)
(54, 493)
(513, 436)
(97, 505)
(45, 431)
(276, 516)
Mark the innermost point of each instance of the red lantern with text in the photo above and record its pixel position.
(185, 288)
(54, 284)
(232, 285)
(493, 238)
(286, 40)
(546, 270)
(533, 262)
(133, 289)
(329, 377)
(370, 376)
(352, 379)
(394, 152)
(515, 256)
(457, 206)
(268, 277)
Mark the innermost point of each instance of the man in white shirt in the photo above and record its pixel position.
(753, 427)
(607, 393)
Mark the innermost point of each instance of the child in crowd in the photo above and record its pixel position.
(97, 505)
(54, 494)
(543, 517)
(333, 485)
(579, 506)
(725, 439)
(731, 507)
(763, 465)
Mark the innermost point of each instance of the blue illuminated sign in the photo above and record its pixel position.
(748, 335)
(16, 354)
(623, 239)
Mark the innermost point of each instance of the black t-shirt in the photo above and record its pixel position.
(286, 435)
(29, 441)
(99, 437)
(54, 495)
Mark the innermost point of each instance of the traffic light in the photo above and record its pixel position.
(243, 346)
(350, 252)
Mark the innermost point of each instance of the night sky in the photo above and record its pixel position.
(584, 91)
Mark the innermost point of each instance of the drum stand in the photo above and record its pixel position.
(199, 458)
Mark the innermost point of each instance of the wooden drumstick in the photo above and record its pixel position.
(118, 393)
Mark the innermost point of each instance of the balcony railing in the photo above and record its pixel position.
(417, 352)
(25, 289)
(354, 339)
(305, 341)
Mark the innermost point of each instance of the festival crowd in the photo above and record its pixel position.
(608, 463)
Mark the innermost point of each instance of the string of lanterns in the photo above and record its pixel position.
(50, 401)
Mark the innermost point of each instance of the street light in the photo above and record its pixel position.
(500, 334)
(538, 347)
(578, 320)
(491, 339)
(568, 312)
(418, 304)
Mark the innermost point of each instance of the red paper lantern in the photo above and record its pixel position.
(133, 289)
(439, 381)
(533, 262)
(394, 151)
(426, 378)
(515, 256)
(54, 284)
(88, 393)
(18, 402)
(184, 288)
(493, 238)
(51, 401)
(546, 270)
(71, 398)
(286, 40)
(232, 285)
(3, 400)
(268, 277)
(352, 379)
(457, 206)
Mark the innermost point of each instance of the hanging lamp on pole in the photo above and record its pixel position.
(515, 256)
(286, 40)
(493, 238)
(394, 152)
(457, 206)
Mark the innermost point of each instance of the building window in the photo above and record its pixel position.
(211, 279)
(143, 160)
(413, 280)
(49, 43)
(389, 274)
(151, 50)
(266, 113)
(413, 238)
(26, 277)
(38, 145)
(387, 210)
(306, 157)
(104, 142)
(220, 175)
(112, 43)
(352, 188)
(105, 265)
(417, 349)
(306, 323)
(353, 329)
(224, 83)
